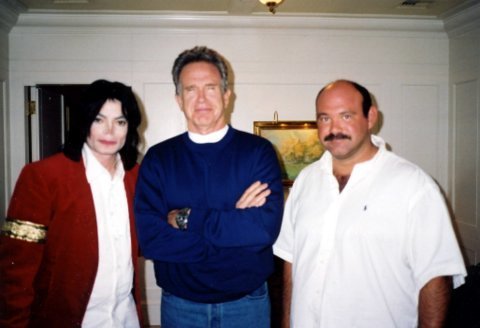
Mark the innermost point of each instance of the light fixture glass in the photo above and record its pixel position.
(271, 4)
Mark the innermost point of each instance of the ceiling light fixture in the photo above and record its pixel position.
(271, 4)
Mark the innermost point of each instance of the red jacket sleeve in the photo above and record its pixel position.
(21, 246)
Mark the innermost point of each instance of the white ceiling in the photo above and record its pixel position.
(422, 8)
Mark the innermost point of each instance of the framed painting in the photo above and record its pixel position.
(296, 144)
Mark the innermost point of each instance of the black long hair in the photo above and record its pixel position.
(91, 103)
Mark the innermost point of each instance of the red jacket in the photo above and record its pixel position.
(49, 284)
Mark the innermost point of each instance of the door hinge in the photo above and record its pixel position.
(31, 108)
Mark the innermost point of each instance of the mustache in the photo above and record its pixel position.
(337, 136)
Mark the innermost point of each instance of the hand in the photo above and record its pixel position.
(172, 215)
(255, 196)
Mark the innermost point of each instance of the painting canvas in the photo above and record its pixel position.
(296, 144)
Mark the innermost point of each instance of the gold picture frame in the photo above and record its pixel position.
(295, 142)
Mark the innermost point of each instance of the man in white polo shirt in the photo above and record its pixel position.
(366, 236)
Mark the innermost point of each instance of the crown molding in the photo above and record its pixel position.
(9, 11)
(220, 20)
(463, 18)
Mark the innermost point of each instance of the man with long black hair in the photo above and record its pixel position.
(68, 248)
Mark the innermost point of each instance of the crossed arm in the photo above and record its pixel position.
(254, 196)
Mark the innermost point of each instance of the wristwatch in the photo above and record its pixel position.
(182, 218)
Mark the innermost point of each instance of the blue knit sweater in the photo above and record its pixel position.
(226, 252)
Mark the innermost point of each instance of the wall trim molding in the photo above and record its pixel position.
(464, 20)
(9, 10)
(201, 21)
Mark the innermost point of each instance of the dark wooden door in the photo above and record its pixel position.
(49, 118)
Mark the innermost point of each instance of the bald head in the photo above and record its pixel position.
(366, 98)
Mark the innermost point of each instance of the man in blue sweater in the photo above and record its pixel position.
(208, 207)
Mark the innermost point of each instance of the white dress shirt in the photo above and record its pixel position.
(111, 303)
(360, 257)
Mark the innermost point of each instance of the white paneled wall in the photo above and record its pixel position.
(420, 103)
(464, 32)
(3, 150)
(279, 64)
(6, 21)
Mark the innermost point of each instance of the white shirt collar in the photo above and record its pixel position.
(326, 159)
(213, 137)
(94, 169)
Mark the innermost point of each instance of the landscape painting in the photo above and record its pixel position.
(296, 144)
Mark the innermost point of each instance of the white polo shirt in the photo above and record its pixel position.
(111, 303)
(360, 257)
